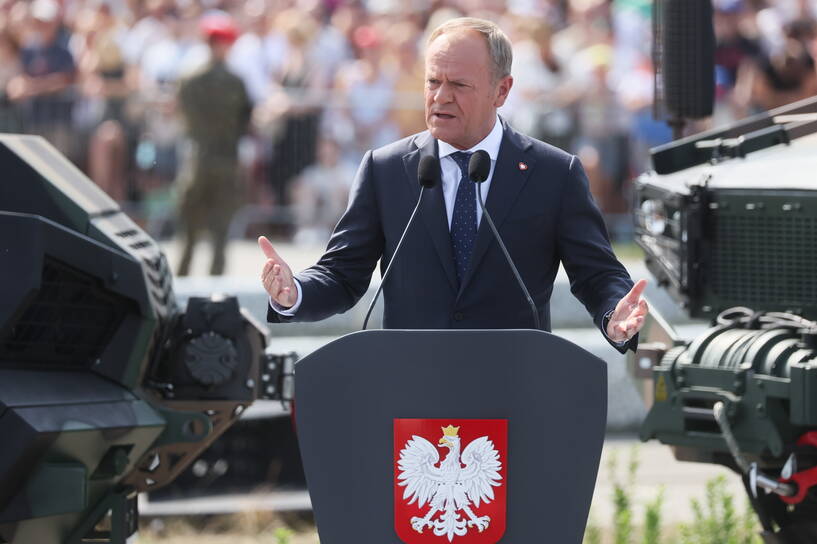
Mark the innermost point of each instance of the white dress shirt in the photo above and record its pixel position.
(451, 174)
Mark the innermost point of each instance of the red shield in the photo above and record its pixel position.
(450, 480)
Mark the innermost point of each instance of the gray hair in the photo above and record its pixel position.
(499, 46)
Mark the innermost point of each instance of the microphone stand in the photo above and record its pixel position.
(487, 216)
(391, 262)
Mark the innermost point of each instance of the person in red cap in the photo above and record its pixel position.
(219, 29)
(216, 110)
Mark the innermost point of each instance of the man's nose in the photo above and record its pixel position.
(444, 94)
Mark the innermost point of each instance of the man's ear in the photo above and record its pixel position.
(503, 88)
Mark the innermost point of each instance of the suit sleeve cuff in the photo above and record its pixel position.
(288, 312)
(605, 320)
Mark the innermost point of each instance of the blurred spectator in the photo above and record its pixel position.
(104, 91)
(216, 111)
(43, 89)
(100, 79)
(177, 54)
(780, 78)
(632, 27)
(320, 193)
(736, 44)
(254, 57)
(290, 116)
(10, 68)
(330, 47)
(589, 24)
(407, 106)
(636, 95)
(366, 95)
(602, 142)
(542, 98)
(148, 29)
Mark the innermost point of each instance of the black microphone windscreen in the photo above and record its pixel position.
(687, 57)
(428, 172)
(479, 167)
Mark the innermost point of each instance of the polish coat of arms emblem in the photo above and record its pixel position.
(450, 480)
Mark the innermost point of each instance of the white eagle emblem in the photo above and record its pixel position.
(449, 489)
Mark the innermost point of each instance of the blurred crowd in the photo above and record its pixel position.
(329, 79)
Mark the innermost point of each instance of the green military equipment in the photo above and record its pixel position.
(764, 374)
(107, 388)
(732, 235)
(739, 228)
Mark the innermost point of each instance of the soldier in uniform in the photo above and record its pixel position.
(216, 110)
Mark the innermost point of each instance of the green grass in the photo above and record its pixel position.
(715, 519)
(628, 251)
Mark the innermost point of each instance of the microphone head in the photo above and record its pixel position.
(687, 57)
(428, 172)
(479, 167)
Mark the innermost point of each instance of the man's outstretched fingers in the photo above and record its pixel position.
(635, 293)
(267, 269)
(266, 247)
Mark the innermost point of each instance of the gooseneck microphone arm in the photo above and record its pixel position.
(478, 169)
(427, 173)
(391, 262)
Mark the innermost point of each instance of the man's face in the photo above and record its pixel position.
(220, 48)
(461, 96)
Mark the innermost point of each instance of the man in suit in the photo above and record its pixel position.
(451, 272)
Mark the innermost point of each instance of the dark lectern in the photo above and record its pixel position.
(355, 394)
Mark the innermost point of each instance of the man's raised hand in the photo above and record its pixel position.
(277, 277)
(629, 315)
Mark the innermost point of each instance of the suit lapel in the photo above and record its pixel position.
(508, 179)
(432, 209)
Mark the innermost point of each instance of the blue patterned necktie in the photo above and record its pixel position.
(464, 218)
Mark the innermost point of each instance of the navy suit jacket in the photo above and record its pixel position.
(544, 212)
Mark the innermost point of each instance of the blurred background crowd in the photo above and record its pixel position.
(328, 79)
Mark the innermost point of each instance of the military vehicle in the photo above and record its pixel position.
(107, 387)
(728, 222)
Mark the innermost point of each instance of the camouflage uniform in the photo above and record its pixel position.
(216, 110)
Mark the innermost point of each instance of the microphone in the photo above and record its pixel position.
(427, 174)
(479, 167)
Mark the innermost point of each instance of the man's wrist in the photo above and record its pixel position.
(606, 324)
(288, 312)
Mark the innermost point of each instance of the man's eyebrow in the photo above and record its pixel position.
(452, 81)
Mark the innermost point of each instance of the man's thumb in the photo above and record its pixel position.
(266, 247)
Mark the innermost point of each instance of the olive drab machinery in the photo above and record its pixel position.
(107, 388)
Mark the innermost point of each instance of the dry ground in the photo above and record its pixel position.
(245, 528)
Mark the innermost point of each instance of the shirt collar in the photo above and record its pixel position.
(490, 143)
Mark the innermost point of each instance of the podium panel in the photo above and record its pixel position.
(355, 395)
